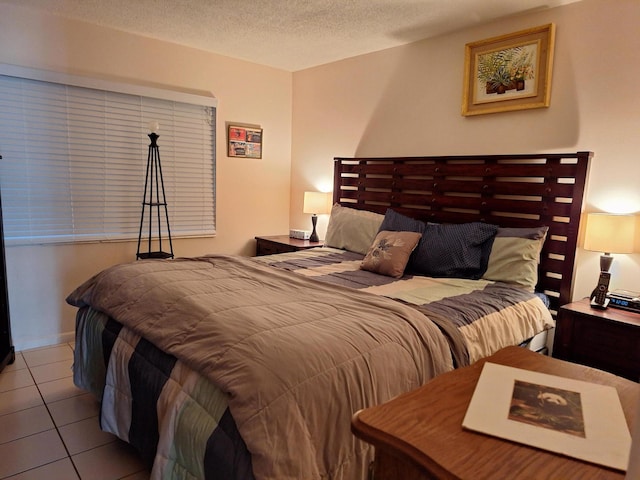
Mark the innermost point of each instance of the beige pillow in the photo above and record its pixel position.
(514, 260)
(351, 229)
(390, 252)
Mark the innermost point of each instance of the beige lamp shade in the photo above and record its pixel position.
(610, 233)
(317, 202)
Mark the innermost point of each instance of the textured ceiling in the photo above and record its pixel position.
(288, 34)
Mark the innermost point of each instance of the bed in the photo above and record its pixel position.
(240, 368)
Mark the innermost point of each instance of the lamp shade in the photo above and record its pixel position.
(610, 233)
(317, 202)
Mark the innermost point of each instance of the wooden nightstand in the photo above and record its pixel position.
(605, 339)
(282, 244)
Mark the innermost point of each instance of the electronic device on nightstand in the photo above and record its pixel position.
(625, 300)
(599, 298)
(299, 234)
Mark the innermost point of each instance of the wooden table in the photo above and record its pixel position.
(419, 435)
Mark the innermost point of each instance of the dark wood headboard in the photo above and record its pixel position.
(524, 190)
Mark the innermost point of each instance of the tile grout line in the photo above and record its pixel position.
(69, 456)
(55, 425)
(46, 405)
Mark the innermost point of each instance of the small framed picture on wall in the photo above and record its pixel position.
(244, 141)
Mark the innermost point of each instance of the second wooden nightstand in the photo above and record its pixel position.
(605, 339)
(282, 244)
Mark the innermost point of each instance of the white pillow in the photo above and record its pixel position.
(352, 229)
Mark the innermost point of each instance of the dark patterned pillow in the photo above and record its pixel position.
(396, 222)
(454, 250)
(390, 253)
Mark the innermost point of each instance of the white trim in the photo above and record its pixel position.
(200, 98)
(29, 342)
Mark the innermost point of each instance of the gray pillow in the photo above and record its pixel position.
(533, 233)
(351, 229)
(515, 256)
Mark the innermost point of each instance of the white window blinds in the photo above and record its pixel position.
(74, 162)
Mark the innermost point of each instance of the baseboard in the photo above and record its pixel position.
(28, 343)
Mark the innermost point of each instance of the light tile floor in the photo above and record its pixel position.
(49, 427)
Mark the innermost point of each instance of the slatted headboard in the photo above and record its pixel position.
(524, 190)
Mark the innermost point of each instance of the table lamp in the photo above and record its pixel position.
(316, 203)
(609, 233)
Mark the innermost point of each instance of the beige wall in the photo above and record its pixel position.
(252, 195)
(407, 100)
(401, 101)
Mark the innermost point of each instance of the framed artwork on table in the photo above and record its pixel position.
(572, 417)
(509, 72)
(244, 141)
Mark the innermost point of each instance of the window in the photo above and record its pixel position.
(75, 153)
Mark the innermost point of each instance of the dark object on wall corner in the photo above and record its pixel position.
(153, 184)
(7, 352)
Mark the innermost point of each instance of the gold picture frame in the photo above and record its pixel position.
(243, 141)
(509, 72)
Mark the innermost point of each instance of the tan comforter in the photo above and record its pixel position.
(296, 357)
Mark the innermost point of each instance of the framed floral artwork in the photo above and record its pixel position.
(509, 72)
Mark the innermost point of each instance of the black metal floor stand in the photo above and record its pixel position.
(153, 185)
